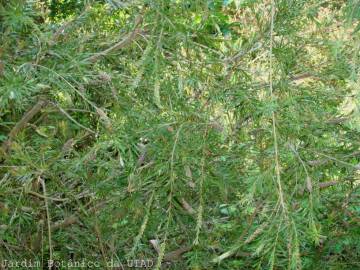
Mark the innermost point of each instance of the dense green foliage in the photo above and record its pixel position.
(230, 128)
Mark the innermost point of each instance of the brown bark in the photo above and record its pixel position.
(22, 123)
(121, 44)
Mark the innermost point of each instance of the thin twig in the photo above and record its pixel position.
(170, 256)
(143, 226)
(323, 185)
(308, 178)
(170, 198)
(102, 249)
(22, 123)
(72, 119)
(318, 162)
(176, 254)
(121, 44)
(276, 147)
(65, 223)
(338, 160)
(201, 190)
(302, 76)
(48, 219)
(67, 82)
(234, 250)
(338, 120)
(46, 197)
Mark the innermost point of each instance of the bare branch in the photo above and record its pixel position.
(121, 44)
(64, 223)
(327, 184)
(46, 197)
(23, 122)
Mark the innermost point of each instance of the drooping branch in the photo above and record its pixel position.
(323, 161)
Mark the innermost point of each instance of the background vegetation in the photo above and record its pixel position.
(202, 134)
